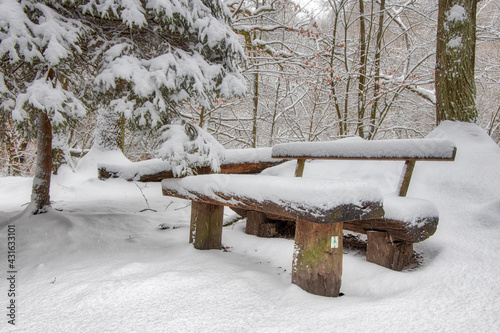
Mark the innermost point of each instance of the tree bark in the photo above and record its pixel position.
(376, 87)
(255, 112)
(40, 198)
(131, 173)
(455, 59)
(382, 250)
(206, 225)
(259, 225)
(317, 260)
(363, 59)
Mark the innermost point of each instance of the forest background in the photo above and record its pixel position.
(341, 69)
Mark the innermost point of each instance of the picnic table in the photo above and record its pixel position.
(321, 208)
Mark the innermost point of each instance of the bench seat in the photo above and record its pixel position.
(312, 200)
(406, 219)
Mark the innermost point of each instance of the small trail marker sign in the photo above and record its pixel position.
(335, 242)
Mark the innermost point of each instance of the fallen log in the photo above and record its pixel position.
(238, 161)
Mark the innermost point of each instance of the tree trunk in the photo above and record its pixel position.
(376, 87)
(455, 59)
(255, 109)
(40, 198)
(362, 70)
(275, 111)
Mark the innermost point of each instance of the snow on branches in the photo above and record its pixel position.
(38, 42)
(33, 31)
(163, 53)
(187, 146)
(46, 96)
(181, 50)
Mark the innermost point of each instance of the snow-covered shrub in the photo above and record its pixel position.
(187, 146)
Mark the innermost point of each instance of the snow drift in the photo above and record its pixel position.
(97, 264)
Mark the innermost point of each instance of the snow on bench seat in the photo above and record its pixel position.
(406, 219)
(357, 148)
(248, 160)
(319, 201)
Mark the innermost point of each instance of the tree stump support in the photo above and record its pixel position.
(259, 225)
(383, 251)
(317, 258)
(206, 225)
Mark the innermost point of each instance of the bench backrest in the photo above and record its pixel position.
(409, 150)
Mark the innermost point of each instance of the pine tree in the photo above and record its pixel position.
(162, 54)
(38, 46)
(138, 59)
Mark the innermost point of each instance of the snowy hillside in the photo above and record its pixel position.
(98, 262)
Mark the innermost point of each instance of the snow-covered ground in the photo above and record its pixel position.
(98, 263)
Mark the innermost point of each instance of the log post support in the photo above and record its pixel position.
(406, 177)
(299, 169)
(384, 251)
(259, 225)
(317, 258)
(206, 225)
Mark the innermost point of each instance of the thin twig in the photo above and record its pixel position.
(147, 203)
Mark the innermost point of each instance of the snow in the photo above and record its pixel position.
(409, 210)
(53, 34)
(302, 193)
(42, 95)
(88, 165)
(248, 155)
(455, 42)
(187, 146)
(456, 13)
(136, 170)
(178, 72)
(99, 264)
(378, 149)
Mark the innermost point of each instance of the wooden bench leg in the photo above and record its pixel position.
(258, 225)
(317, 259)
(383, 251)
(206, 225)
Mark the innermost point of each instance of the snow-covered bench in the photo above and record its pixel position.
(407, 220)
(237, 161)
(319, 207)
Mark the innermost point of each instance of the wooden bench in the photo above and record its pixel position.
(319, 207)
(406, 221)
(237, 161)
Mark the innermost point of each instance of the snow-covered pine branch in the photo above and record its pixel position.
(34, 31)
(49, 97)
(178, 50)
(187, 146)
